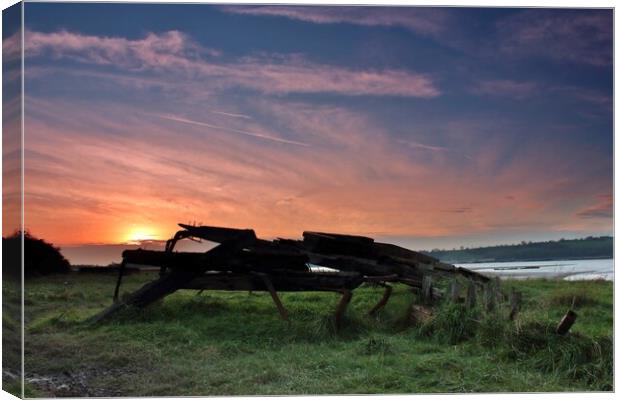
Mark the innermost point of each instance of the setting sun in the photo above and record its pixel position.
(140, 234)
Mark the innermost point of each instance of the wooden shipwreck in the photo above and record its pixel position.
(241, 261)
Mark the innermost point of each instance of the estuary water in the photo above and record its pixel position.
(555, 269)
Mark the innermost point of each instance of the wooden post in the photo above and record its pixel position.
(121, 270)
(515, 303)
(566, 323)
(342, 305)
(274, 296)
(489, 297)
(471, 295)
(454, 291)
(386, 295)
(427, 289)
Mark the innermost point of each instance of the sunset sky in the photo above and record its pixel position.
(423, 127)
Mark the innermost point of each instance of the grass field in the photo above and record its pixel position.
(233, 343)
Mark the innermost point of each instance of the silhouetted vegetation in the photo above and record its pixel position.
(586, 248)
(40, 257)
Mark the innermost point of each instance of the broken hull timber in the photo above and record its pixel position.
(243, 262)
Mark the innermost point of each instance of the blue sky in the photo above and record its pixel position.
(424, 126)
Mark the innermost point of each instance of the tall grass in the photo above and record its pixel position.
(534, 343)
(574, 356)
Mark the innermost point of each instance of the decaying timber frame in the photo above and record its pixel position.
(242, 261)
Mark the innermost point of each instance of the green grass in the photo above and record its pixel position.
(11, 336)
(233, 343)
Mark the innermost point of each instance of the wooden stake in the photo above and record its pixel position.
(515, 303)
(454, 291)
(566, 323)
(471, 295)
(489, 294)
(427, 289)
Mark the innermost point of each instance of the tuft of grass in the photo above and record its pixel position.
(452, 323)
(376, 346)
(324, 327)
(574, 356)
(493, 330)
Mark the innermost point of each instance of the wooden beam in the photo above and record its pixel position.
(386, 296)
(342, 306)
(121, 271)
(274, 296)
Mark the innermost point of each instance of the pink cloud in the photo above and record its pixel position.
(603, 208)
(172, 49)
(417, 19)
(12, 47)
(175, 53)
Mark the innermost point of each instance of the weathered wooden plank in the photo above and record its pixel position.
(218, 234)
(309, 235)
(239, 261)
(391, 250)
(357, 264)
(285, 282)
(328, 243)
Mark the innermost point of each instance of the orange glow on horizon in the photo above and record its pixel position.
(360, 181)
(139, 234)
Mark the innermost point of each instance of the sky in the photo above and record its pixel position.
(424, 127)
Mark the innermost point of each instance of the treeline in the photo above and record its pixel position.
(590, 247)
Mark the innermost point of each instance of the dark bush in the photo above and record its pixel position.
(40, 257)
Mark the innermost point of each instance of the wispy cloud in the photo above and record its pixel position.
(505, 88)
(172, 49)
(522, 90)
(603, 208)
(12, 47)
(427, 21)
(228, 129)
(563, 35)
(458, 210)
(421, 146)
(228, 114)
(174, 52)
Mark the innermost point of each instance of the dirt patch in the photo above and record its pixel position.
(75, 384)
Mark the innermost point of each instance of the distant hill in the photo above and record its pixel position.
(590, 247)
